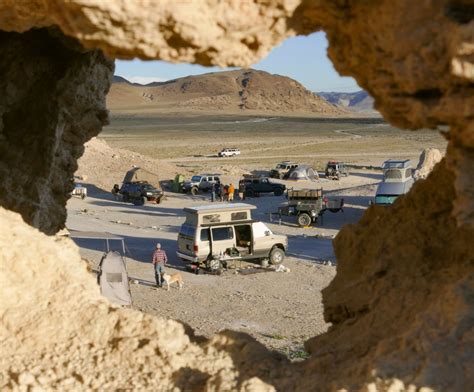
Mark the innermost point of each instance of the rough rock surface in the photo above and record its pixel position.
(428, 159)
(52, 101)
(414, 58)
(209, 32)
(57, 332)
(401, 303)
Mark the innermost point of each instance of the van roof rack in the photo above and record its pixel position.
(218, 207)
(396, 164)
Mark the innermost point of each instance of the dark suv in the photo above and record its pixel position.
(140, 192)
(256, 185)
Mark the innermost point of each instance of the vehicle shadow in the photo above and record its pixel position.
(260, 173)
(154, 213)
(310, 248)
(139, 249)
(156, 209)
(375, 175)
(96, 192)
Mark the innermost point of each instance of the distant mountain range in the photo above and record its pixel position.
(241, 91)
(359, 101)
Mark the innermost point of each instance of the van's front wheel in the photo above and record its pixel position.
(277, 256)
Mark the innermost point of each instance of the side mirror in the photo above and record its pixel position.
(267, 233)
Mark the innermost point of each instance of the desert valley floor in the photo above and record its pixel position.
(281, 310)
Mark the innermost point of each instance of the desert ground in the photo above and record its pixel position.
(191, 142)
(281, 310)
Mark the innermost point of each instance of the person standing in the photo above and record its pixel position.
(231, 192)
(225, 195)
(159, 261)
(216, 188)
(242, 190)
(218, 191)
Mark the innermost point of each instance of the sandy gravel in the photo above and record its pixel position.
(281, 310)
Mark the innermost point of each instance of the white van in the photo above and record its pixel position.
(214, 230)
(397, 181)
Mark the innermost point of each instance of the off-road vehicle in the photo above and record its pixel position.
(140, 192)
(213, 235)
(335, 170)
(254, 186)
(307, 205)
(282, 169)
(203, 182)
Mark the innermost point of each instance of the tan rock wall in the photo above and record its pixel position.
(402, 301)
(57, 332)
(414, 58)
(231, 32)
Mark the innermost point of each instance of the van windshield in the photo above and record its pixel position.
(196, 178)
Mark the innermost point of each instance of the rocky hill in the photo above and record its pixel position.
(231, 91)
(359, 101)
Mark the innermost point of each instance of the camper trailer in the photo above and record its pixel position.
(397, 180)
(212, 234)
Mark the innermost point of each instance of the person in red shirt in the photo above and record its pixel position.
(159, 261)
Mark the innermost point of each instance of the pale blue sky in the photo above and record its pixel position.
(301, 58)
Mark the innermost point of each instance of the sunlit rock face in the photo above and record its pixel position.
(402, 302)
(414, 58)
(402, 298)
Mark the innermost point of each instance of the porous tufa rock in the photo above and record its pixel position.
(208, 32)
(401, 303)
(428, 159)
(58, 332)
(414, 58)
(402, 298)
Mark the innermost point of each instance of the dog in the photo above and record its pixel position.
(168, 279)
